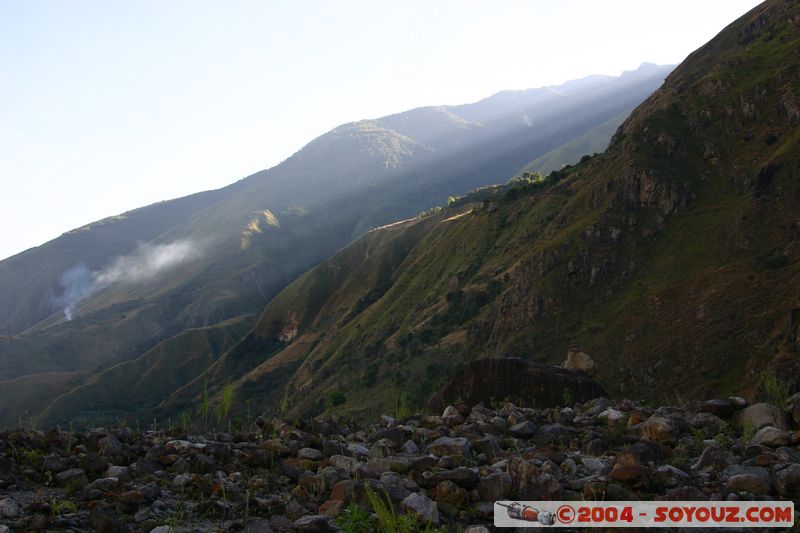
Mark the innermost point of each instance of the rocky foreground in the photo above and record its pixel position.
(438, 471)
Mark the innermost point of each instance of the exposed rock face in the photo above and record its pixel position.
(516, 380)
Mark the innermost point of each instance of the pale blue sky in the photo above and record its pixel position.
(109, 105)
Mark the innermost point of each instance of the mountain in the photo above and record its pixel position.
(592, 142)
(114, 290)
(673, 258)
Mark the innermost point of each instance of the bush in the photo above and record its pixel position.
(336, 398)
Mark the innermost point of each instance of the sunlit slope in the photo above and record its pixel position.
(672, 259)
(254, 237)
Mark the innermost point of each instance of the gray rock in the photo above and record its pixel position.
(787, 480)
(612, 416)
(122, 473)
(593, 464)
(476, 529)
(73, 476)
(523, 429)
(421, 506)
(54, 463)
(258, 526)
(577, 360)
(663, 429)
(759, 415)
(713, 457)
(410, 447)
(752, 483)
(310, 453)
(452, 446)
(771, 436)
(357, 449)
(495, 486)
(104, 484)
(110, 446)
(180, 481)
(313, 524)
(4, 529)
(9, 508)
(720, 408)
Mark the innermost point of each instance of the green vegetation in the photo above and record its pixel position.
(225, 403)
(389, 521)
(773, 389)
(354, 519)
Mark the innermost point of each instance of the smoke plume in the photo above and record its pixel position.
(144, 264)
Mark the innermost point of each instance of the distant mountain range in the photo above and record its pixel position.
(673, 258)
(183, 280)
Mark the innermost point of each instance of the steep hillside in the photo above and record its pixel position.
(672, 258)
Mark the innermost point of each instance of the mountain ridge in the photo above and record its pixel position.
(643, 256)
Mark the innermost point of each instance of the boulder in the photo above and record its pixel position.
(660, 428)
(422, 507)
(577, 360)
(451, 446)
(759, 415)
(771, 436)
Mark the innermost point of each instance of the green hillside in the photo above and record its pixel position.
(593, 141)
(672, 258)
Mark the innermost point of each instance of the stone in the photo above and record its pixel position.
(611, 416)
(311, 454)
(410, 447)
(462, 476)
(523, 429)
(529, 483)
(73, 477)
(661, 429)
(110, 446)
(787, 480)
(771, 436)
(122, 473)
(721, 408)
(577, 360)
(752, 483)
(452, 446)
(332, 508)
(758, 416)
(357, 449)
(496, 486)
(632, 475)
(715, 457)
(450, 493)
(9, 508)
(54, 463)
(104, 520)
(313, 524)
(421, 506)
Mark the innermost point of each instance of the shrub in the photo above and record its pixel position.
(336, 398)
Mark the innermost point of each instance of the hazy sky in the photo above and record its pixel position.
(109, 105)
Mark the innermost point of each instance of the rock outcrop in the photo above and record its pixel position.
(498, 379)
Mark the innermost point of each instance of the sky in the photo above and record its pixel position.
(110, 105)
